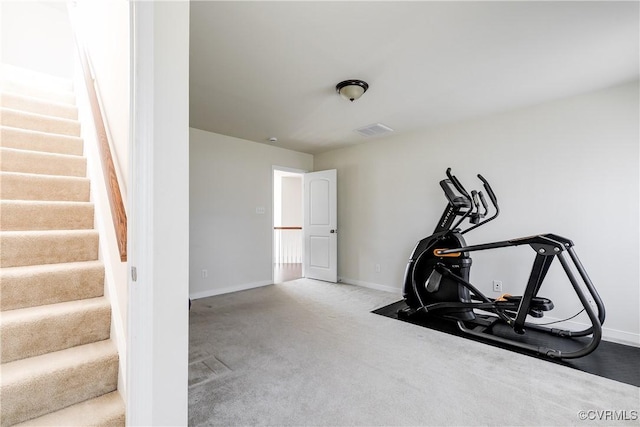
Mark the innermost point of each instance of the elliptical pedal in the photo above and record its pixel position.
(406, 313)
(537, 303)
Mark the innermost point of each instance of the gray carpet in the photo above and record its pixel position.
(311, 353)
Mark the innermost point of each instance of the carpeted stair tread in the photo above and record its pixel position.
(39, 385)
(106, 410)
(47, 247)
(25, 139)
(39, 106)
(37, 162)
(59, 366)
(26, 186)
(30, 286)
(52, 94)
(33, 331)
(39, 122)
(23, 215)
(36, 79)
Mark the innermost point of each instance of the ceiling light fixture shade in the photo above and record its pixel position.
(352, 89)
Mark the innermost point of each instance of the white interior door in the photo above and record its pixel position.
(320, 227)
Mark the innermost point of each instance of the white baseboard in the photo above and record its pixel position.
(229, 289)
(376, 286)
(621, 337)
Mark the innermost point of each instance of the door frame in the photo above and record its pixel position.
(157, 353)
(273, 205)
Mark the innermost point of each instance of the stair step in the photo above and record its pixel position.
(105, 411)
(29, 332)
(39, 106)
(39, 122)
(21, 248)
(59, 366)
(23, 186)
(23, 215)
(25, 139)
(41, 92)
(25, 76)
(37, 162)
(42, 384)
(30, 286)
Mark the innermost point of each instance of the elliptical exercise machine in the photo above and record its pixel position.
(437, 279)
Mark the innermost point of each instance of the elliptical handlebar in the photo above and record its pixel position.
(476, 201)
(490, 192)
(484, 202)
(476, 198)
(457, 183)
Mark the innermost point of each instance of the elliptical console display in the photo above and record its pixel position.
(437, 283)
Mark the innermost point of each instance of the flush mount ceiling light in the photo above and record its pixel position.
(352, 89)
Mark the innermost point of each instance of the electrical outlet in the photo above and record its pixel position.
(497, 286)
(205, 273)
(377, 268)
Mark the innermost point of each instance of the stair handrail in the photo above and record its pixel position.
(114, 194)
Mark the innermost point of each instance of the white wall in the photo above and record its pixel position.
(116, 283)
(36, 35)
(230, 178)
(568, 167)
(101, 23)
(104, 27)
(158, 343)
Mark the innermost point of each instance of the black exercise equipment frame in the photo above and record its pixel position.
(511, 311)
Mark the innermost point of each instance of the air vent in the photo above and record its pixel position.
(375, 129)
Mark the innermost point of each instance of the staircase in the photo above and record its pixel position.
(59, 365)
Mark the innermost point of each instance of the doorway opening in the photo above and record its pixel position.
(288, 249)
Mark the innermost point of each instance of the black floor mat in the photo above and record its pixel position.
(610, 360)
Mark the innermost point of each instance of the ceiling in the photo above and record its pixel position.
(269, 69)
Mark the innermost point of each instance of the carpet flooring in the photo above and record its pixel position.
(285, 272)
(312, 353)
